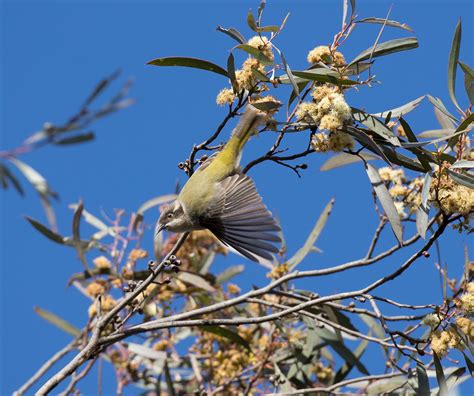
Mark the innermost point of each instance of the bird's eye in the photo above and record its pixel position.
(169, 215)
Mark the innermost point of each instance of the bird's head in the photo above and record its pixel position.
(173, 218)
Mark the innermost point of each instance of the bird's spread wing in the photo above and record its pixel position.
(241, 221)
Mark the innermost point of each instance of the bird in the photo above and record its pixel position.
(220, 198)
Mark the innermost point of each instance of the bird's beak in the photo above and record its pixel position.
(160, 228)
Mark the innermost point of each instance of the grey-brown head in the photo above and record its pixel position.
(174, 218)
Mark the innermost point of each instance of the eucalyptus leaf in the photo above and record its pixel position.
(226, 333)
(423, 382)
(151, 203)
(321, 75)
(256, 53)
(6, 175)
(468, 81)
(36, 180)
(296, 89)
(386, 48)
(436, 133)
(357, 68)
(234, 33)
(196, 280)
(46, 231)
(424, 208)
(386, 201)
(462, 178)
(143, 351)
(437, 102)
(375, 125)
(267, 106)
(342, 159)
(81, 138)
(58, 322)
(231, 73)
(312, 238)
(386, 22)
(402, 110)
(366, 141)
(229, 273)
(188, 62)
(463, 164)
(443, 387)
(453, 64)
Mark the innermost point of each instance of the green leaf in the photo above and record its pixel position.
(294, 94)
(58, 322)
(169, 381)
(357, 68)
(343, 159)
(443, 387)
(143, 351)
(347, 367)
(231, 73)
(388, 47)
(229, 273)
(188, 62)
(454, 377)
(386, 201)
(36, 180)
(468, 81)
(224, 332)
(469, 364)
(151, 203)
(424, 208)
(366, 141)
(462, 178)
(386, 22)
(436, 133)
(234, 33)
(402, 160)
(463, 164)
(341, 349)
(6, 175)
(267, 106)
(375, 125)
(46, 231)
(296, 89)
(259, 75)
(196, 280)
(312, 238)
(256, 53)
(437, 102)
(402, 110)
(423, 382)
(322, 75)
(81, 138)
(453, 64)
(251, 21)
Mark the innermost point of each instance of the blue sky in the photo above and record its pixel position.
(54, 52)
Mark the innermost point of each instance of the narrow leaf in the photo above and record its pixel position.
(386, 201)
(256, 53)
(462, 178)
(321, 75)
(402, 110)
(231, 73)
(151, 203)
(188, 62)
(423, 382)
(226, 333)
(424, 208)
(290, 75)
(46, 231)
(386, 22)
(58, 322)
(463, 164)
(375, 125)
(453, 64)
(196, 280)
(468, 80)
(443, 387)
(312, 238)
(229, 273)
(234, 33)
(343, 159)
(388, 47)
(81, 138)
(437, 102)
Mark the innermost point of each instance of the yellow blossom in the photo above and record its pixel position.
(107, 303)
(263, 44)
(466, 326)
(439, 342)
(266, 99)
(398, 190)
(226, 96)
(102, 262)
(233, 289)
(95, 288)
(308, 112)
(323, 54)
(400, 206)
(278, 271)
(136, 254)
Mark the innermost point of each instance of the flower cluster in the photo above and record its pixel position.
(323, 54)
(245, 77)
(450, 196)
(405, 193)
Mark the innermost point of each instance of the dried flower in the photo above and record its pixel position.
(95, 288)
(136, 254)
(466, 326)
(278, 271)
(233, 289)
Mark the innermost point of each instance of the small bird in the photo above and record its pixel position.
(220, 198)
